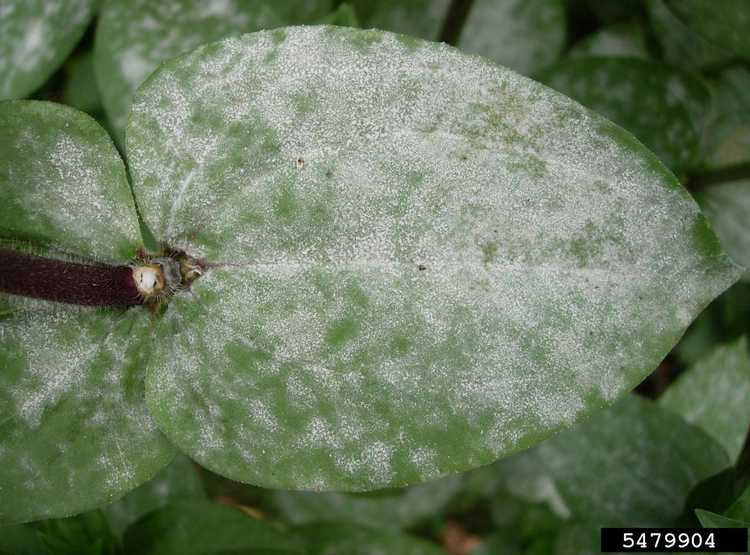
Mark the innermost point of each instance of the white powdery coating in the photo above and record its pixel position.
(430, 258)
(68, 180)
(36, 36)
(135, 36)
(73, 394)
(524, 35)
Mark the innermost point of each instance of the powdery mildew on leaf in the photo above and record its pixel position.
(524, 35)
(62, 183)
(76, 431)
(663, 107)
(713, 395)
(35, 38)
(135, 36)
(424, 261)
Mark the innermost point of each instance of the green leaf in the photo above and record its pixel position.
(681, 46)
(726, 319)
(727, 26)
(740, 509)
(524, 35)
(727, 136)
(344, 16)
(84, 534)
(188, 528)
(352, 539)
(35, 38)
(634, 442)
(419, 262)
(620, 39)
(179, 480)
(713, 395)
(402, 508)
(81, 90)
(21, 540)
(663, 107)
(134, 36)
(727, 207)
(418, 18)
(712, 520)
(72, 413)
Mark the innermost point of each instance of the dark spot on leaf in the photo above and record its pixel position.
(421, 267)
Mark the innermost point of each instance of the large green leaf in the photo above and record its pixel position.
(419, 261)
(74, 429)
(650, 457)
(713, 395)
(351, 539)
(134, 36)
(726, 24)
(680, 45)
(524, 35)
(727, 206)
(178, 481)
(199, 527)
(663, 107)
(401, 508)
(35, 38)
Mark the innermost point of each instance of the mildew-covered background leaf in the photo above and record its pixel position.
(661, 106)
(727, 136)
(713, 395)
(420, 261)
(632, 442)
(619, 39)
(726, 24)
(62, 183)
(398, 508)
(134, 36)
(200, 527)
(72, 415)
(35, 37)
(680, 45)
(419, 18)
(727, 207)
(524, 35)
(177, 481)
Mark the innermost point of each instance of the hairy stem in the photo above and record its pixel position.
(61, 281)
